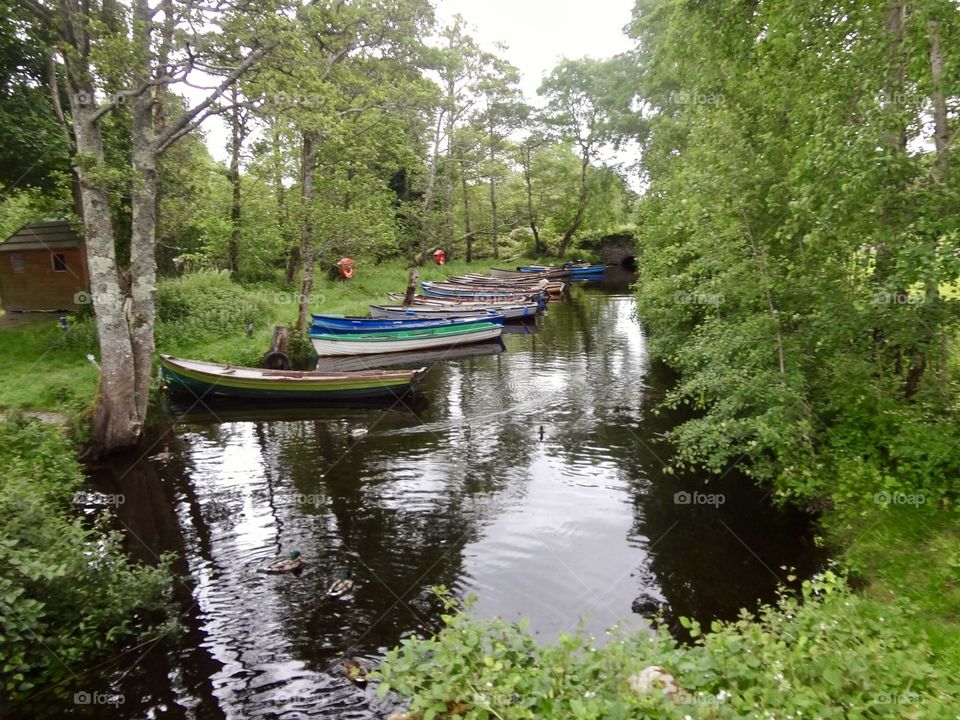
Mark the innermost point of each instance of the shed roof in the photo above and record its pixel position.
(48, 235)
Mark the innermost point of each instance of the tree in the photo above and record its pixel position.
(578, 110)
(98, 42)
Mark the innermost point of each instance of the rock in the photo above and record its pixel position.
(652, 679)
(649, 605)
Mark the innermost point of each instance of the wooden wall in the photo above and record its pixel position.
(39, 286)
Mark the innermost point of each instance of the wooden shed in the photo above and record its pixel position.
(43, 267)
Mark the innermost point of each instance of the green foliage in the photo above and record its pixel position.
(69, 597)
(792, 252)
(829, 654)
(18, 207)
(202, 305)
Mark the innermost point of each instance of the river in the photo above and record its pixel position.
(575, 525)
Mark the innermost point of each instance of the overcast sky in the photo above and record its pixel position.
(538, 33)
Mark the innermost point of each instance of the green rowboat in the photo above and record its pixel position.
(199, 379)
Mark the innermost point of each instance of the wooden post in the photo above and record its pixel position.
(411, 287)
(277, 357)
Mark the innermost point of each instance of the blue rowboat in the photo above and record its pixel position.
(334, 324)
(577, 272)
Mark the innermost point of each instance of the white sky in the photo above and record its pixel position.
(538, 33)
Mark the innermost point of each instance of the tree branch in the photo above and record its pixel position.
(173, 133)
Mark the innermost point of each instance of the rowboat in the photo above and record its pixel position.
(334, 324)
(502, 274)
(200, 379)
(424, 311)
(587, 271)
(484, 283)
(465, 303)
(574, 270)
(416, 357)
(432, 289)
(403, 340)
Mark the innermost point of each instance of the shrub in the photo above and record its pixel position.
(68, 594)
(830, 654)
(204, 304)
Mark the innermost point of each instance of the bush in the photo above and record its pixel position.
(204, 304)
(68, 594)
(833, 655)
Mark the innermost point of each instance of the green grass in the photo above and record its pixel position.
(905, 553)
(43, 370)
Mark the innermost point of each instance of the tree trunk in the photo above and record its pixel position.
(236, 141)
(143, 245)
(309, 163)
(494, 225)
(581, 206)
(116, 423)
(941, 127)
(528, 181)
(425, 235)
(466, 208)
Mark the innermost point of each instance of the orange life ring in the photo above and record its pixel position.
(346, 267)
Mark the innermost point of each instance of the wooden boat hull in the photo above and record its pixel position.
(199, 379)
(342, 325)
(474, 294)
(554, 288)
(555, 274)
(466, 303)
(415, 357)
(402, 342)
(508, 312)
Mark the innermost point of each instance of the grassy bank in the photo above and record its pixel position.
(202, 316)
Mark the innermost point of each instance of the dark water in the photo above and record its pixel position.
(579, 526)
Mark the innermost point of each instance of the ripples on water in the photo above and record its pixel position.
(566, 529)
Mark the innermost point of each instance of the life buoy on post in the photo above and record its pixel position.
(439, 256)
(346, 267)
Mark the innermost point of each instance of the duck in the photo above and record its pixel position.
(357, 433)
(356, 672)
(342, 585)
(292, 563)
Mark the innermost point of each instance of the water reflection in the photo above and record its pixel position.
(532, 478)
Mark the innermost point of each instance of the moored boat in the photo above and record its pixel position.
(413, 357)
(477, 294)
(556, 273)
(199, 378)
(401, 341)
(507, 312)
(337, 325)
